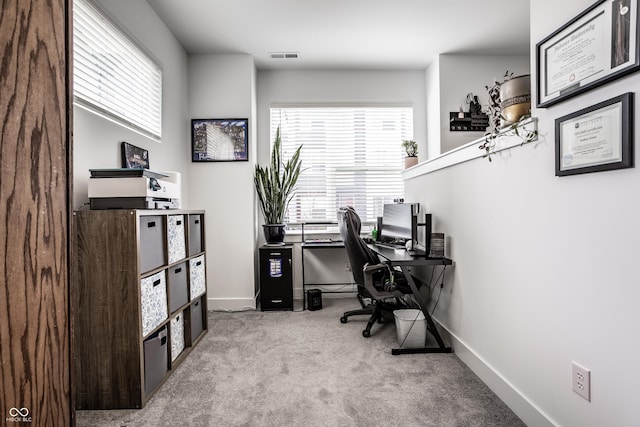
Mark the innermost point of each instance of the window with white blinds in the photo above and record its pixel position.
(112, 75)
(351, 156)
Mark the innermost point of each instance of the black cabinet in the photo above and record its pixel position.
(276, 278)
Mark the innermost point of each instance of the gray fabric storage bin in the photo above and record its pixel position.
(195, 234)
(152, 242)
(178, 286)
(156, 361)
(197, 324)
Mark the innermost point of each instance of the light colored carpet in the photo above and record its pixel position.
(305, 368)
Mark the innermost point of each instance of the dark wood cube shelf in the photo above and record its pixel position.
(138, 302)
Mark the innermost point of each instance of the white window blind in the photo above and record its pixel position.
(112, 75)
(351, 156)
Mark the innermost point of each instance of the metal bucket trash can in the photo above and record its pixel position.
(411, 328)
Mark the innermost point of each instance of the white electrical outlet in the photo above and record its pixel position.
(581, 380)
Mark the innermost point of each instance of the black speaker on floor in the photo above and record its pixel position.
(314, 298)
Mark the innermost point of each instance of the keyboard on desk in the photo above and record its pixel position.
(319, 241)
(390, 245)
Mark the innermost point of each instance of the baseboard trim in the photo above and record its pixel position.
(231, 304)
(528, 412)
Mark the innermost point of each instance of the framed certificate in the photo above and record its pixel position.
(597, 138)
(599, 45)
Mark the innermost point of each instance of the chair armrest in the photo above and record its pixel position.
(368, 271)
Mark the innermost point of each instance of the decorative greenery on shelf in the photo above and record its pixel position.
(275, 187)
(517, 129)
(496, 128)
(410, 147)
(494, 110)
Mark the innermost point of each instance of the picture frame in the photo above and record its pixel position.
(134, 157)
(599, 45)
(219, 140)
(597, 138)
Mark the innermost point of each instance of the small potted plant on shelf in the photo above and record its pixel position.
(275, 185)
(411, 148)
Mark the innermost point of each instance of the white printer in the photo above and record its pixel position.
(123, 188)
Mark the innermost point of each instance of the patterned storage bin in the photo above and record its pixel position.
(177, 336)
(175, 237)
(153, 299)
(197, 281)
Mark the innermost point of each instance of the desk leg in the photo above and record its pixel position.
(431, 327)
(304, 294)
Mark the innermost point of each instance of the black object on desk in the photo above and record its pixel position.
(404, 261)
(276, 278)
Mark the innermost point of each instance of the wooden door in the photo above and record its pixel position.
(35, 146)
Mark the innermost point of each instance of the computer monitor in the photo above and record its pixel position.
(399, 222)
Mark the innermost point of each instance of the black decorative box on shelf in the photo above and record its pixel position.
(468, 123)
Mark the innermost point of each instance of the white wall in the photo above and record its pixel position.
(337, 87)
(223, 86)
(432, 86)
(463, 74)
(97, 141)
(545, 267)
(211, 86)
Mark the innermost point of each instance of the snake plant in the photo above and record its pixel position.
(275, 184)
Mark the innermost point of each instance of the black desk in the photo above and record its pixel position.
(320, 244)
(402, 259)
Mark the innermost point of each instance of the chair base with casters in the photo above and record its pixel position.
(378, 312)
(367, 309)
(380, 308)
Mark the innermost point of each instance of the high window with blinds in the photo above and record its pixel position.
(351, 156)
(112, 75)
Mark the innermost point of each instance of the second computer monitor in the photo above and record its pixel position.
(398, 222)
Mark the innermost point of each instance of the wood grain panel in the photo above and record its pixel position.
(107, 349)
(34, 212)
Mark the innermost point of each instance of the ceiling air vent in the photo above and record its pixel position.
(283, 55)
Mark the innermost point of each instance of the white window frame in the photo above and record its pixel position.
(378, 167)
(114, 76)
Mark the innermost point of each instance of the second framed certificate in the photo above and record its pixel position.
(597, 138)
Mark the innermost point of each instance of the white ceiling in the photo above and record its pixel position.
(348, 34)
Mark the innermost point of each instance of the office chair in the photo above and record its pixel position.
(374, 279)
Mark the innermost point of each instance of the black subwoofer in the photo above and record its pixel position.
(314, 299)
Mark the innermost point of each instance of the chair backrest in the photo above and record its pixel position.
(358, 252)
